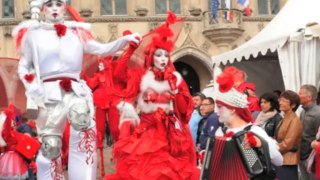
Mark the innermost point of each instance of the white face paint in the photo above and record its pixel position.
(54, 11)
(160, 59)
(224, 114)
(101, 66)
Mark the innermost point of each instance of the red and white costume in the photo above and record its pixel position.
(160, 147)
(51, 57)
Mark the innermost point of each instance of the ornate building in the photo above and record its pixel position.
(201, 38)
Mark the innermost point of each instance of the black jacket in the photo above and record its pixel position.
(271, 124)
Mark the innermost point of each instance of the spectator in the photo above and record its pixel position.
(277, 93)
(288, 135)
(269, 116)
(245, 87)
(208, 124)
(195, 117)
(310, 118)
(24, 127)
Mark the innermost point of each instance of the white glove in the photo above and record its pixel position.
(127, 113)
(135, 37)
(36, 93)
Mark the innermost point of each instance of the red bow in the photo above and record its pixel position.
(228, 134)
(60, 29)
(28, 77)
(65, 84)
(158, 75)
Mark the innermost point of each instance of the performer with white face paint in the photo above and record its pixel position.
(158, 144)
(51, 55)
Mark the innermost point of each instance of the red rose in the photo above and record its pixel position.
(251, 139)
(225, 81)
(29, 77)
(65, 84)
(60, 29)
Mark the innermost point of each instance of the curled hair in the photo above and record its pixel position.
(272, 99)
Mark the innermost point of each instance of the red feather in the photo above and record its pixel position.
(225, 81)
(74, 14)
(20, 35)
(172, 18)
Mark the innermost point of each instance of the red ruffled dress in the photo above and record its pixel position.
(12, 164)
(160, 147)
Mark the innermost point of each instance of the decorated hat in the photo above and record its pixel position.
(231, 98)
(161, 39)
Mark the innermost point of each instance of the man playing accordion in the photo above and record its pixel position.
(240, 150)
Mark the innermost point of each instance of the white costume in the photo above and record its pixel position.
(51, 59)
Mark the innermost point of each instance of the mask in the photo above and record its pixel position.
(54, 11)
(225, 114)
(101, 66)
(160, 59)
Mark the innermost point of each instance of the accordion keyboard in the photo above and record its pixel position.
(251, 158)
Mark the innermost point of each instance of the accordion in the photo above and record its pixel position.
(226, 159)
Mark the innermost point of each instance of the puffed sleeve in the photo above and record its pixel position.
(26, 65)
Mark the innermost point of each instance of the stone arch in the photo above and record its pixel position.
(198, 60)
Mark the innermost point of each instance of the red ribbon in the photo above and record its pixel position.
(87, 144)
(56, 171)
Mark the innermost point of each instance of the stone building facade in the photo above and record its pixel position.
(201, 38)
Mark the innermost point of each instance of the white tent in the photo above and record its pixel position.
(275, 37)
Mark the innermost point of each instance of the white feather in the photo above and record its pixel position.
(2, 120)
(149, 82)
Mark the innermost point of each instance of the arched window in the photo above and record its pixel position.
(274, 6)
(113, 7)
(162, 6)
(268, 7)
(8, 8)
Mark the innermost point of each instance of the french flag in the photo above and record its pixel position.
(246, 4)
(228, 14)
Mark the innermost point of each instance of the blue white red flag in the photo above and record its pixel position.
(214, 7)
(246, 5)
(228, 13)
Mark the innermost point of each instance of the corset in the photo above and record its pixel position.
(152, 96)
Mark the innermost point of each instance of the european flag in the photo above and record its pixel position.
(214, 7)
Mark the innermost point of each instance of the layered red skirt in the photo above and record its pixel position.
(12, 166)
(154, 150)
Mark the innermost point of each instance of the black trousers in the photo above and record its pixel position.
(287, 172)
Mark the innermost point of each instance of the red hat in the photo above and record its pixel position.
(28, 146)
(161, 39)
